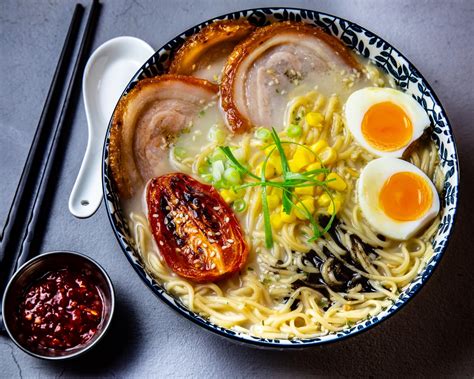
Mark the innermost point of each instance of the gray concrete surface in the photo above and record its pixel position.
(432, 336)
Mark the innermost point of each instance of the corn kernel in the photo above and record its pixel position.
(288, 218)
(301, 158)
(335, 205)
(275, 191)
(275, 153)
(294, 166)
(275, 160)
(324, 200)
(304, 190)
(314, 166)
(273, 201)
(229, 195)
(269, 170)
(336, 182)
(328, 155)
(318, 146)
(308, 203)
(276, 221)
(304, 154)
(314, 119)
(271, 149)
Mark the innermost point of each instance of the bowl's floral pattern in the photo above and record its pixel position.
(405, 75)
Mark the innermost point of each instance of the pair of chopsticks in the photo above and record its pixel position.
(25, 212)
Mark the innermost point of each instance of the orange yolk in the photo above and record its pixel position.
(405, 196)
(387, 127)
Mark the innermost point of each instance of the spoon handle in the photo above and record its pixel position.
(86, 195)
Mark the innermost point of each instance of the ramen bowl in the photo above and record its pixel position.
(405, 76)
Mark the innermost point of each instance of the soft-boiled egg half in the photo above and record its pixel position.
(396, 197)
(384, 121)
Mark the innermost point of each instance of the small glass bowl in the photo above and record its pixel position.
(36, 268)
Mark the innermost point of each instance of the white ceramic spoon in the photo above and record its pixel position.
(107, 72)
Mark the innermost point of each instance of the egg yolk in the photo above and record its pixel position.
(405, 196)
(387, 127)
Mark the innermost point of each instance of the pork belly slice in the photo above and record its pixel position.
(147, 120)
(273, 62)
(204, 54)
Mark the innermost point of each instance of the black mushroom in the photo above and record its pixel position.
(334, 273)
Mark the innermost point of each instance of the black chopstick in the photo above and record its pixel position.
(34, 216)
(26, 186)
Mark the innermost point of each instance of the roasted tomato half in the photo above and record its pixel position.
(197, 233)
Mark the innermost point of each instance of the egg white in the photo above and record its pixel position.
(370, 183)
(360, 102)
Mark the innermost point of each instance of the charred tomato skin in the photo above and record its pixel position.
(195, 230)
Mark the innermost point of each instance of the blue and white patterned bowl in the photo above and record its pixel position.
(405, 75)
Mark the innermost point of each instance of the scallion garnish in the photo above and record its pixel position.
(294, 131)
(239, 205)
(226, 150)
(263, 134)
(217, 170)
(286, 201)
(290, 181)
(266, 218)
(232, 175)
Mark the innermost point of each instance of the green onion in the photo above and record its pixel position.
(284, 161)
(263, 134)
(232, 176)
(311, 219)
(266, 219)
(226, 150)
(286, 201)
(291, 180)
(317, 171)
(179, 152)
(265, 209)
(217, 170)
(254, 184)
(329, 224)
(294, 131)
(216, 134)
(239, 205)
(238, 153)
(217, 155)
(297, 178)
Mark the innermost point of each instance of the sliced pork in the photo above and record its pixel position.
(147, 121)
(274, 62)
(204, 54)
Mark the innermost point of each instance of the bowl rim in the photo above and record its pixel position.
(260, 341)
(102, 331)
